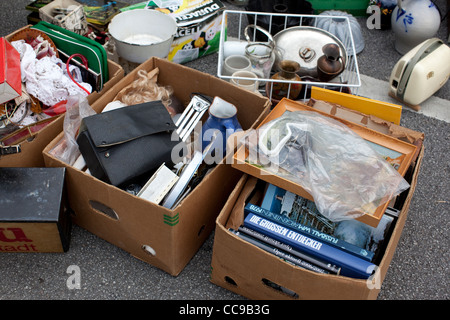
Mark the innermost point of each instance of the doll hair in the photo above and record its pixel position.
(144, 89)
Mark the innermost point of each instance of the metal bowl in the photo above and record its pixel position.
(304, 44)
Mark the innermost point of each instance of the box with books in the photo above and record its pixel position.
(273, 243)
(298, 213)
(349, 246)
(260, 258)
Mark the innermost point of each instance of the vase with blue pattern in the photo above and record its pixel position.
(414, 21)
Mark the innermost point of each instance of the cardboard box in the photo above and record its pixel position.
(247, 270)
(166, 239)
(253, 273)
(74, 19)
(32, 146)
(34, 215)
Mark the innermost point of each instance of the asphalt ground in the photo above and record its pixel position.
(418, 271)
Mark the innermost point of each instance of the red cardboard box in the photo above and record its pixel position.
(10, 82)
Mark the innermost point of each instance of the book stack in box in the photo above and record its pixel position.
(292, 228)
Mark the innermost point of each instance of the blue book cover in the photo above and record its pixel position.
(294, 211)
(311, 232)
(351, 265)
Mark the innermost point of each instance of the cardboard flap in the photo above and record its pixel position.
(237, 216)
(128, 123)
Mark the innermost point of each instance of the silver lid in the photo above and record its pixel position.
(304, 44)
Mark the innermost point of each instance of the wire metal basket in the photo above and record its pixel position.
(236, 22)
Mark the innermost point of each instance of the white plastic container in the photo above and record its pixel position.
(140, 34)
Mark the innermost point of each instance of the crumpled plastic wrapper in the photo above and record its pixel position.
(66, 149)
(345, 176)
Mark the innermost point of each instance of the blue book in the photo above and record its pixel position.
(310, 231)
(351, 265)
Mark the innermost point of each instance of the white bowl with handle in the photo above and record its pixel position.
(140, 34)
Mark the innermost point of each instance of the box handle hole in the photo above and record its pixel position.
(279, 288)
(103, 209)
(201, 230)
(230, 281)
(149, 250)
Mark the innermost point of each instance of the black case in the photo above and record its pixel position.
(124, 144)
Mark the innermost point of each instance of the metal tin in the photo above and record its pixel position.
(304, 44)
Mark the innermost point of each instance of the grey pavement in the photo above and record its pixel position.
(419, 269)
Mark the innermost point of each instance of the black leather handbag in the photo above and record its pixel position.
(124, 144)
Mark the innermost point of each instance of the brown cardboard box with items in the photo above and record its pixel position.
(33, 139)
(272, 277)
(165, 238)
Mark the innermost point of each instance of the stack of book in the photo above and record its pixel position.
(292, 228)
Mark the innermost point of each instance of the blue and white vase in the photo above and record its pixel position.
(414, 21)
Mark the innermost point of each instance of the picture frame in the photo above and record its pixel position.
(397, 152)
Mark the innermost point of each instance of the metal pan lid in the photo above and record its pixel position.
(304, 44)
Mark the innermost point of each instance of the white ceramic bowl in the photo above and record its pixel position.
(235, 63)
(140, 34)
(250, 84)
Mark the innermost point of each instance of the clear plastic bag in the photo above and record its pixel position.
(77, 108)
(340, 170)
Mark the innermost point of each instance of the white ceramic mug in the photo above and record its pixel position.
(248, 84)
(235, 63)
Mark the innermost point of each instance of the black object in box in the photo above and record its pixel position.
(34, 214)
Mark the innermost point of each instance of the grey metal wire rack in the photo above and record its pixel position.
(233, 29)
